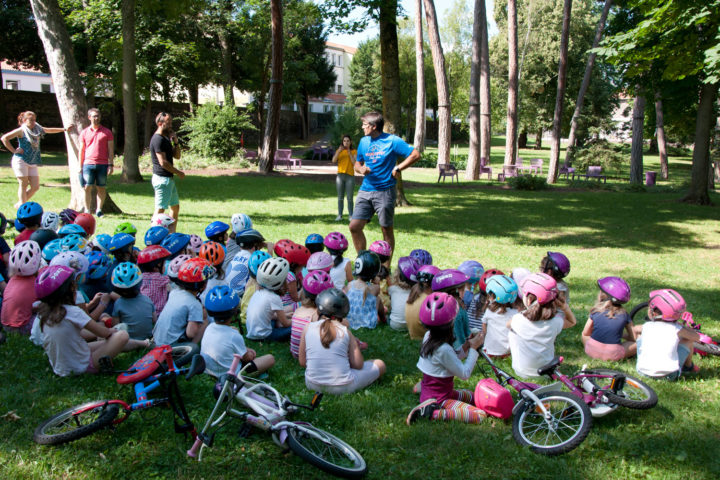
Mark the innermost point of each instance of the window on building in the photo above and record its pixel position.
(45, 87)
(11, 85)
(325, 108)
(339, 60)
(339, 88)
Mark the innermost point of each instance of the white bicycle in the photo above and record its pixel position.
(268, 409)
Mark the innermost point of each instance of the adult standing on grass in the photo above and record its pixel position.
(97, 149)
(376, 159)
(345, 180)
(164, 147)
(26, 157)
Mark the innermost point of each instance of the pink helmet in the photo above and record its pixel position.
(381, 247)
(173, 267)
(448, 278)
(669, 302)
(438, 309)
(320, 261)
(25, 258)
(195, 243)
(316, 282)
(51, 279)
(336, 241)
(426, 273)
(543, 286)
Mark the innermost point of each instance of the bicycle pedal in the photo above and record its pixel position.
(618, 383)
(245, 430)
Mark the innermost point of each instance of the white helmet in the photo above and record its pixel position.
(75, 260)
(50, 220)
(162, 220)
(240, 222)
(272, 273)
(25, 258)
(173, 266)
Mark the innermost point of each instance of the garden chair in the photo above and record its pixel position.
(447, 170)
(508, 171)
(595, 171)
(319, 152)
(485, 168)
(536, 166)
(520, 166)
(251, 155)
(566, 170)
(283, 156)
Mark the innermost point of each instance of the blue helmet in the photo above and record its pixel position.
(71, 229)
(99, 265)
(18, 226)
(29, 210)
(126, 275)
(240, 222)
(313, 238)
(74, 243)
(216, 228)
(103, 242)
(52, 248)
(155, 235)
(503, 287)
(221, 299)
(472, 269)
(256, 259)
(175, 242)
(121, 241)
(422, 256)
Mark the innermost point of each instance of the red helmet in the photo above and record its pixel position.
(152, 253)
(213, 252)
(195, 270)
(486, 276)
(87, 222)
(294, 253)
(280, 246)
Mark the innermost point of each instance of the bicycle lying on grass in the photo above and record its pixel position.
(82, 420)
(268, 409)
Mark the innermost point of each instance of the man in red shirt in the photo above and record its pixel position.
(96, 153)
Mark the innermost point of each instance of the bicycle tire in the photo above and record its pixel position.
(709, 348)
(571, 418)
(637, 308)
(332, 455)
(183, 353)
(88, 422)
(635, 394)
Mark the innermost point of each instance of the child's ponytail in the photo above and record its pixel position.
(327, 332)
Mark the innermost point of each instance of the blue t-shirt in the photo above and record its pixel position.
(380, 155)
(461, 328)
(182, 307)
(137, 314)
(608, 330)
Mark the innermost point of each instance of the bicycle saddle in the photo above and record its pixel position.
(550, 367)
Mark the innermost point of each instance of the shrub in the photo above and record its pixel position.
(528, 182)
(348, 122)
(599, 152)
(430, 159)
(214, 131)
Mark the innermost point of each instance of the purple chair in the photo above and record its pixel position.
(485, 168)
(508, 171)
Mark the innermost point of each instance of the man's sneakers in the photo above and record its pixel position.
(99, 213)
(424, 410)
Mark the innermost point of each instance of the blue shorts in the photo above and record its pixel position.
(94, 175)
(166, 194)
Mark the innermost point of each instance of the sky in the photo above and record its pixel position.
(409, 6)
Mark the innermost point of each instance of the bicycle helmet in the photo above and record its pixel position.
(616, 288)
(332, 303)
(30, 213)
(52, 248)
(281, 244)
(213, 252)
(195, 243)
(221, 300)
(449, 278)
(3, 224)
(482, 283)
(98, 265)
(71, 229)
(248, 238)
(408, 267)
(296, 254)
(19, 227)
(42, 236)
(55, 278)
(560, 263)
(126, 227)
(216, 228)
(103, 242)
(240, 222)
(195, 271)
(472, 269)
(438, 309)
(161, 220)
(75, 260)
(335, 241)
(25, 258)
(320, 261)
(256, 259)
(126, 275)
(50, 220)
(173, 266)
(121, 242)
(68, 215)
(176, 242)
(155, 235)
(316, 282)
(519, 274)
(314, 239)
(152, 253)
(426, 273)
(382, 248)
(87, 222)
(272, 273)
(668, 302)
(367, 265)
(74, 243)
(543, 286)
(503, 287)
(422, 256)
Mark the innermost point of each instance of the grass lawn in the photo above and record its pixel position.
(650, 239)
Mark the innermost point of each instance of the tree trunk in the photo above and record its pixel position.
(444, 120)
(585, 84)
(636, 153)
(653, 148)
(272, 122)
(472, 172)
(701, 152)
(419, 142)
(522, 139)
(304, 111)
(538, 139)
(661, 142)
(131, 169)
(193, 97)
(511, 128)
(485, 119)
(149, 126)
(560, 97)
(227, 82)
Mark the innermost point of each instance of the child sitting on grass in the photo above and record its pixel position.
(214, 253)
(19, 295)
(341, 271)
(451, 281)
(151, 261)
(557, 265)
(314, 283)
(366, 309)
(266, 318)
(502, 304)
(417, 295)
(608, 333)
(132, 311)
(402, 281)
(256, 259)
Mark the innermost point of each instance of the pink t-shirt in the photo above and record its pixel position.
(18, 298)
(96, 145)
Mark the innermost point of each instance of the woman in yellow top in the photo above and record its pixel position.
(345, 180)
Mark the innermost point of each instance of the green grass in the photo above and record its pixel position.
(652, 240)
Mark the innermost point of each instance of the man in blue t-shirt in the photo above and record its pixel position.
(376, 159)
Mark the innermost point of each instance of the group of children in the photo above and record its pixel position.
(87, 298)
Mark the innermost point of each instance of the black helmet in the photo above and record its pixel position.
(367, 265)
(43, 236)
(248, 238)
(332, 303)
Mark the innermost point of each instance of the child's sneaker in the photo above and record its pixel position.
(416, 388)
(690, 369)
(424, 410)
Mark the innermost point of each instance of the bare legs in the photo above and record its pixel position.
(27, 186)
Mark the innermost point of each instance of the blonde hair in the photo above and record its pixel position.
(604, 304)
(397, 278)
(535, 312)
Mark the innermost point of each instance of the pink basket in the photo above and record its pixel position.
(493, 398)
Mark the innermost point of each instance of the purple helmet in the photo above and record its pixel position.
(408, 266)
(320, 261)
(381, 247)
(51, 279)
(336, 241)
(195, 243)
(447, 279)
(422, 256)
(560, 263)
(616, 288)
(472, 269)
(438, 309)
(426, 273)
(316, 282)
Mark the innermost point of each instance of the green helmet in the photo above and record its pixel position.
(126, 227)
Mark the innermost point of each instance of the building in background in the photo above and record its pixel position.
(26, 79)
(340, 57)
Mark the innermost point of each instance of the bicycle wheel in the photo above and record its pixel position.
(569, 423)
(639, 313)
(76, 422)
(635, 394)
(325, 451)
(709, 348)
(183, 353)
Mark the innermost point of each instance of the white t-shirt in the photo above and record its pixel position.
(496, 338)
(338, 274)
(657, 353)
(444, 362)
(237, 271)
(327, 366)
(398, 300)
(219, 343)
(260, 313)
(66, 349)
(532, 344)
